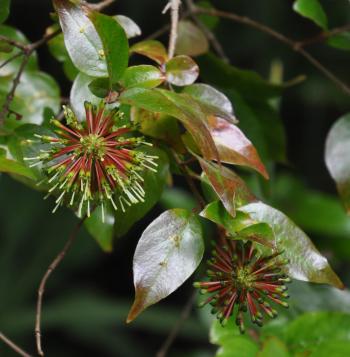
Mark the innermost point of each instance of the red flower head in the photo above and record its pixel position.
(241, 279)
(95, 161)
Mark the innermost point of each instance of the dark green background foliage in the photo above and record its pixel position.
(88, 298)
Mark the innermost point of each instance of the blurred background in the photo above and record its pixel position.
(88, 297)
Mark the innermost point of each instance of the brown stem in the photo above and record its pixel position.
(44, 279)
(185, 313)
(101, 5)
(294, 45)
(18, 54)
(12, 345)
(174, 6)
(11, 42)
(208, 34)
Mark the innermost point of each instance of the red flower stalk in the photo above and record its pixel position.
(241, 279)
(93, 162)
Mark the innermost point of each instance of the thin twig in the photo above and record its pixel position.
(324, 35)
(11, 344)
(12, 42)
(278, 36)
(101, 5)
(208, 34)
(44, 279)
(18, 54)
(174, 6)
(185, 313)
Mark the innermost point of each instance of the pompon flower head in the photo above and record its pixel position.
(95, 161)
(241, 279)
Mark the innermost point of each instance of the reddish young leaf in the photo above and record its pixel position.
(168, 252)
(233, 146)
(152, 49)
(230, 188)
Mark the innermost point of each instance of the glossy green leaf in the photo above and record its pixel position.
(14, 167)
(81, 39)
(230, 188)
(305, 261)
(36, 91)
(144, 76)
(152, 49)
(338, 158)
(115, 44)
(177, 198)
(315, 328)
(100, 87)
(181, 71)
(167, 254)
(153, 185)
(4, 10)
(180, 106)
(240, 226)
(209, 95)
(14, 65)
(103, 232)
(332, 348)
(191, 40)
(81, 92)
(313, 10)
(340, 41)
(130, 26)
(273, 346)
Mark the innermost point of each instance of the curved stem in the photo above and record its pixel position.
(44, 279)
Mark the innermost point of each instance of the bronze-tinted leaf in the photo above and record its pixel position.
(181, 71)
(229, 187)
(152, 49)
(233, 146)
(168, 252)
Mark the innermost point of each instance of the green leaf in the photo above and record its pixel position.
(313, 10)
(81, 39)
(315, 328)
(177, 198)
(14, 167)
(240, 226)
(305, 261)
(168, 252)
(130, 26)
(81, 92)
(340, 41)
(180, 106)
(115, 44)
(181, 71)
(231, 343)
(143, 76)
(230, 188)
(152, 49)
(14, 65)
(273, 346)
(153, 185)
(36, 91)
(4, 10)
(332, 348)
(338, 158)
(191, 40)
(159, 126)
(209, 21)
(102, 231)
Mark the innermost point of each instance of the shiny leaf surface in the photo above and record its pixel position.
(181, 71)
(168, 252)
(152, 49)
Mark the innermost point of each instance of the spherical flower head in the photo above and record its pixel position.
(241, 280)
(95, 161)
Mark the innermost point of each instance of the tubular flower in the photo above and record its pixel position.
(94, 162)
(241, 279)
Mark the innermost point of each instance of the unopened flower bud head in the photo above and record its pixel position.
(94, 162)
(241, 279)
